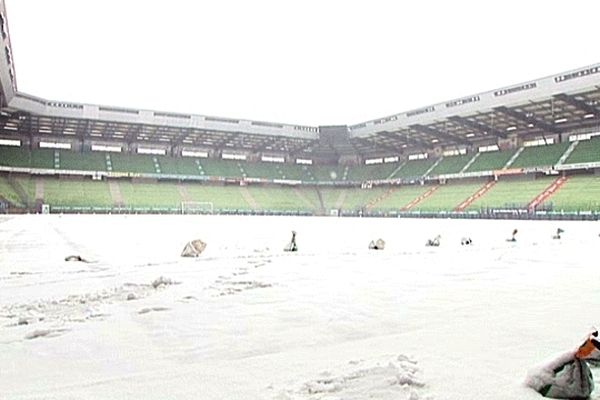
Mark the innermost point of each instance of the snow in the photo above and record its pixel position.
(246, 320)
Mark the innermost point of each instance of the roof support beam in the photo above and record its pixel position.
(409, 139)
(266, 143)
(82, 128)
(309, 144)
(379, 146)
(579, 104)
(529, 120)
(438, 134)
(132, 134)
(477, 126)
(406, 139)
(178, 139)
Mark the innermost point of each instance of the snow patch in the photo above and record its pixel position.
(398, 379)
(226, 285)
(235, 287)
(44, 333)
(162, 281)
(147, 310)
(78, 307)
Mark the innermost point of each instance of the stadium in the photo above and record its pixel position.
(465, 157)
(146, 254)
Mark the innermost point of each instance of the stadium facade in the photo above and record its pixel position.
(532, 130)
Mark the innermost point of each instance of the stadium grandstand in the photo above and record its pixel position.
(528, 150)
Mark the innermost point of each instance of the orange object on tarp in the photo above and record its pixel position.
(568, 376)
(590, 349)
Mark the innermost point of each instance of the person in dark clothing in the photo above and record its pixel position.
(513, 238)
(292, 246)
(558, 232)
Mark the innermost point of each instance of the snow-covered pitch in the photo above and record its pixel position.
(246, 320)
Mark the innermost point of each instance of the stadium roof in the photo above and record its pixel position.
(557, 104)
(561, 103)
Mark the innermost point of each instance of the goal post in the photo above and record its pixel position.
(197, 207)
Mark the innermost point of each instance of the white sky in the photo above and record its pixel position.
(303, 62)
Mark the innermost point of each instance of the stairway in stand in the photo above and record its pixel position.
(382, 197)
(249, 198)
(419, 199)
(183, 192)
(115, 193)
(483, 190)
(547, 193)
(39, 190)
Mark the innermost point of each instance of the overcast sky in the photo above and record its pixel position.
(302, 62)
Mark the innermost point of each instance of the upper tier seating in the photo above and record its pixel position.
(537, 156)
(43, 158)
(361, 173)
(327, 173)
(15, 157)
(586, 151)
(530, 157)
(295, 172)
(90, 161)
(451, 164)
(180, 166)
(224, 168)
(135, 163)
(414, 169)
(491, 161)
(265, 170)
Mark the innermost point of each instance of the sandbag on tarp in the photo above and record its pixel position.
(76, 258)
(290, 247)
(568, 376)
(466, 241)
(435, 242)
(193, 248)
(378, 244)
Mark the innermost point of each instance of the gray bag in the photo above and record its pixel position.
(565, 378)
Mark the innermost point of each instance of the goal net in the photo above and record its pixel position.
(197, 207)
